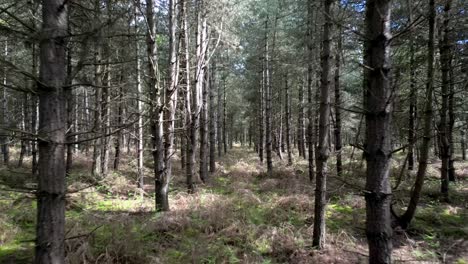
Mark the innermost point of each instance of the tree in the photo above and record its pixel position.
(378, 113)
(52, 128)
(407, 217)
(324, 128)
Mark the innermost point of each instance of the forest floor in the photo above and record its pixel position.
(241, 216)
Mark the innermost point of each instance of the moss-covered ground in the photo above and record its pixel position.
(240, 216)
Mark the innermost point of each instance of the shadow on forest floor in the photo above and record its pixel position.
(241, 216)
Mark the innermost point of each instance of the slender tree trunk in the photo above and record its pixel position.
(287, 110)
(201, 95)
(451, 102)
(24, 113)
(406, 218)
(338, 144)
(155, 95)
(97, 146)
(139, 105)
(444, 122)
(324, 127)
(268, 114)
(4, 122)
(212, 121)
(463, 144)
(162, 184)
(219, 131)
(310, 110)
(301, 125)
(225, 143)
(378, 112)
(413, 92)
(261, 115)
(119, 136)
(69, 105)
(50, 231)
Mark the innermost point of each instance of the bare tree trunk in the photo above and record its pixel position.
(162, 184)
(225, 143)
(189, 151)
(406, 218)
(202, 90)
(451, 114)
(310, 110)
(212, 121)
(24, 113)
(51, 191)
(445, 59)
(119, 136)
(4, 122)
(287, 110)
(219, 131)
(261, 138)
(106, 93)
(378, 149)
(413, 93)
(463, 144)
(301, 125)
(338, 144)
(139, 105)
(268, 128)
(69, 105)
(97, 146)
(155, 95)
(324, 128)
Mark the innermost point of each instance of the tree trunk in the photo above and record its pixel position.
(155, 95)
(261, 120)
(413, 94)
(445, 60)
(24, 113)
(378, 112)
(162, 184)
(310, 110)
(212, 121)
(4, 122)
(287, 110)
(139, 105)
(406, 218)
(338, 144)
(268, 128)
(301, 125)
(203, 83)
(225, 143)
(52, 128)
(97, 146)
(324, 128)
(119, 136)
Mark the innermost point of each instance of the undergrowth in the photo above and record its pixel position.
(241, 216)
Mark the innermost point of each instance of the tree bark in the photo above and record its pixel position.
(378, 113)
(413, 93)
(162, 184)
(444, 137)
(287, 110)
(212, 119)
(97, 146)
(139, 105)
(268, 127)
(50, 232)
(155, 95)
(338, 144)
(4, 122)
(324, 128)
(407, 217)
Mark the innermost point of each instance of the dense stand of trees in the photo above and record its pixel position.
(181, 78)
